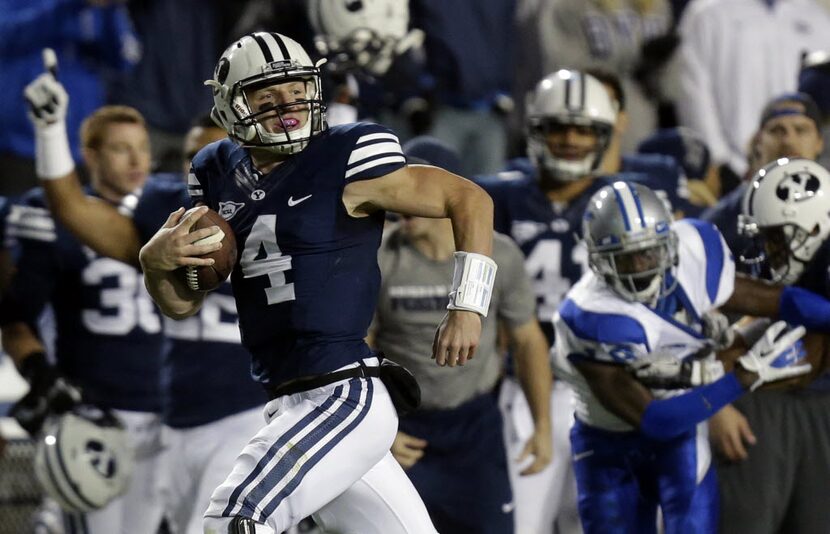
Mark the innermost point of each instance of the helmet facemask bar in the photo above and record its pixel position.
(247, 128)
(363, 49)
(787, 249)
(540, 127)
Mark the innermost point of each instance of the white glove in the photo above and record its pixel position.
(48, 103)
(670, 372)
(46, 96)
(777, 355)
(717, 328)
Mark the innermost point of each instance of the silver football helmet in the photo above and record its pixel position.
(787, 207)
(363, 34)
(568, 97)
(83, 459)
(258, 60)
(631, 245)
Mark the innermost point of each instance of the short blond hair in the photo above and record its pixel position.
(93, 127)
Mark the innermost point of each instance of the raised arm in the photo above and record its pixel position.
(94, 222)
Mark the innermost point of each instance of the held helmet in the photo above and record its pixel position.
(83, 459)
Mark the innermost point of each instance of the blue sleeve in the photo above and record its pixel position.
(31, 288)
(666, 419)
(800, 306)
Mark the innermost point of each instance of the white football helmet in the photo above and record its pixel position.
(787, 204)
(83, 459)
(631, 245)
(568, 97)
(257, 60)
(362, 34)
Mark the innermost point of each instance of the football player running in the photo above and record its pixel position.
(651, 284)
(308, 214)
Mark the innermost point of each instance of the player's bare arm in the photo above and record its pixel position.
(426, 191)
(170, 248)
(530, 348)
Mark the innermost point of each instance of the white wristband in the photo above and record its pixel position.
(472, 282)
(53, 159)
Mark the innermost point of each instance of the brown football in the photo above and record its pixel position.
(209, 277)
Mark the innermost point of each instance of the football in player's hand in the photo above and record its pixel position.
(209, 277)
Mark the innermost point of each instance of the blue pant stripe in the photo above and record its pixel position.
(320, 454)
(293, 431)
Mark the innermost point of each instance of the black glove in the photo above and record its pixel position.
(49, 393)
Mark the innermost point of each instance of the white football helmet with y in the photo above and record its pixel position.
(631, 245)
(568, 98)
(83, 459)
(787, 205)
(258, 60)
(363, 34)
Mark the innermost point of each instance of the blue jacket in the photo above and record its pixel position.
(86, 40)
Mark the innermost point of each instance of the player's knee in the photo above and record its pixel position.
(235, 525)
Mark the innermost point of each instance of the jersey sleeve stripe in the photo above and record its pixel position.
(609, 328)
(195, 192)
(31, 234)
(192, 180)
(715, 256)
(375, 137)
(375, 163)
(366, 152)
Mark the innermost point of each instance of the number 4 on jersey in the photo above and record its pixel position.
(263, 256)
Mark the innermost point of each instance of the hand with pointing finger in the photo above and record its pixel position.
(47, 99)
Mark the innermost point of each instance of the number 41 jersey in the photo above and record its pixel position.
(306, 280)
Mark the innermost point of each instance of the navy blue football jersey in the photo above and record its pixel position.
(547, 233)
(206, 372)
(109, 334)
(664, 176)
(306, 281)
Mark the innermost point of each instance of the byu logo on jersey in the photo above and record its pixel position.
(100, 458)
(228, 209)
(797, 186)
(258, 194)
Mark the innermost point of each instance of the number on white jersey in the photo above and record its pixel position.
(263, 238)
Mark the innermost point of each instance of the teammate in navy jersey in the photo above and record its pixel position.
(306, 204)
(109, 334)
(570, 124)
(209, 403)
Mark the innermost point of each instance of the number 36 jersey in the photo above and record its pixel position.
(306, 280)
(109, 334)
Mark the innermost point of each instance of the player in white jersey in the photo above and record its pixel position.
(652, 282)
